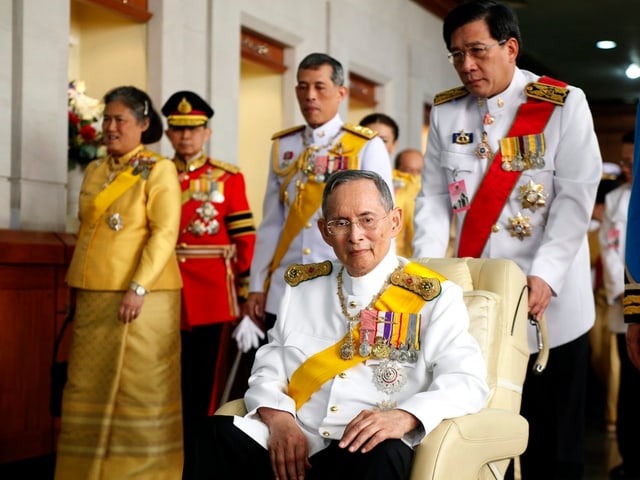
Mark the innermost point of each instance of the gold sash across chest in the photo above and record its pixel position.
(326, 364)
(123, 182)
(310, 200)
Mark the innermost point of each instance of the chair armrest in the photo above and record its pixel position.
(233, 407)
(458, 448)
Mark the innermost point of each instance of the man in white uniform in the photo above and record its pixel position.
(613, 235)
(514, 158)
(369, 353)
(302, 158)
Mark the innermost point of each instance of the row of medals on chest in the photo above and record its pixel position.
(389, 375)
(207, 190)
(520, 153)
(316, 166)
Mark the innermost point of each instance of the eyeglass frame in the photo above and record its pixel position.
(349, 225)
(480, 51)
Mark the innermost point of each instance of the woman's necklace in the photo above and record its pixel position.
(114, 169)
(348, 347)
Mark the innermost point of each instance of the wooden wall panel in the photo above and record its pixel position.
(33, 302)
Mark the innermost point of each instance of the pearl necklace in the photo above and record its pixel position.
(348, 345)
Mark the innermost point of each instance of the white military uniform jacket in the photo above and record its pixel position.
(613, 234)
(308, 246)
(448, 379)
(557, 249)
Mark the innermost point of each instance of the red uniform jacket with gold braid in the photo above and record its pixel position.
(215, 213)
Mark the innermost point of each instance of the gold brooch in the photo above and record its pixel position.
(532, 195)
(115, 222)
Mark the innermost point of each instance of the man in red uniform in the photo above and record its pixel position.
(215, 248)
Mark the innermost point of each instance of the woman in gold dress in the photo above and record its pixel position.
(121, 410)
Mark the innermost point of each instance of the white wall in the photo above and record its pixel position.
(196, 45)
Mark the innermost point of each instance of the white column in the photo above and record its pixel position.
(6, 58)
(178, 53)
(38, 172)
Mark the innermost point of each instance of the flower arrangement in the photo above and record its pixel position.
(85, 137)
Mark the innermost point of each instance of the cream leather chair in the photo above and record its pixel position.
(478, 446)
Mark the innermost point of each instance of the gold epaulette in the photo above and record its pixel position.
(452, 94)
(227, 167)
(427, 288)
(365, 132)
(287, 131)
(547, 93)
(298, 272)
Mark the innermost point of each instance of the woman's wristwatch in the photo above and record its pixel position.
(138, 289)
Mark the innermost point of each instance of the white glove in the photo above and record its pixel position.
(247, 334)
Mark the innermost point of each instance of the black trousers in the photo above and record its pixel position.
(628, 423)
(224, 452)
(198, 363)
(240, 385)
(554, 405)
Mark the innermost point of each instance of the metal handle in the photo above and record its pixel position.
(543, 344)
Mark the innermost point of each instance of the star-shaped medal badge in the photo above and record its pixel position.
(520, 226)
(533, 196)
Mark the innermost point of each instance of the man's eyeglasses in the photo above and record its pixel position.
(342, 226)
(477, 51)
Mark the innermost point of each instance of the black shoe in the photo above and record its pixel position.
(622, 473)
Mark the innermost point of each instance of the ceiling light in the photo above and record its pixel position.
(606, 44)
(632, 71)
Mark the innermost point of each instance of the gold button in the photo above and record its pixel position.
(500, 103)
(182, 259)
(334, 408)
(353, 304)
(495, 228)
(306, 251)
(342, 375)
(307, 225)
(325, 434)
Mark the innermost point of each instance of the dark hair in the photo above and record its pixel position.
(605, 186)
(629, 137)
(345, 176)
(315, 60)
(501, 20)
(141, 106)
(384, 119)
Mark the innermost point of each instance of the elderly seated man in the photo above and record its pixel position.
(368, 354)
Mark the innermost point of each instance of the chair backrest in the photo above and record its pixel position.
(496, 297)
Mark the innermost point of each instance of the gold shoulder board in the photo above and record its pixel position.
(452, 94)
(298, 272)
(547, 93)
(365, 132)
(227, 167)
(427, 288)
(287, 131)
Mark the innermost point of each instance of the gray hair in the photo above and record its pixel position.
(346, 176)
